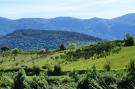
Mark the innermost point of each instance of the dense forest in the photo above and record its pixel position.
(37, 39)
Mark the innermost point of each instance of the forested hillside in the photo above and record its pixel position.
(37, 39)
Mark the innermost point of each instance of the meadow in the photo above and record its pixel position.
(102, 65)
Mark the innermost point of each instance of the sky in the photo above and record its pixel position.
(83, 9)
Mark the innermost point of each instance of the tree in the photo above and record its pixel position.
(19, 80)
(93, 72)
(15, 51)
(107, 66)
(5, 48)
(129, 40)
(72, 46)
(62, 47)
(36, 70)
(39, 83)
(57, 69)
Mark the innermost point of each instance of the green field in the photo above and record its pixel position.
(67, 69)
(118, 61)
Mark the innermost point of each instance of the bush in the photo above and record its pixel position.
(131, 67)
(88, 83)
(37, 82)
(6, 82)
(62, 47)
(19, 80)
(57, 69)
(126, 83)
(107, 66)
(72, 46)
(93, 72)
(5, 48)
(47, 66)
(74, 75)
(106, 81)
(36, 70)
(15, 51)
(129, 40)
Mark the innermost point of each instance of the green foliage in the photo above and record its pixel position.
(6, 82)
(72, 46)
(98, 50)
(107, 81)
(62, 47)
(36, 70)
(19, 80)
(74, 75)
(129, 40)
(5, 48)
(38, 83)
(80, 78)
(107, 66)
(47, 66)
(131, 67)
(93, 72)
(57, 69)
(15, 51)
(88, 83)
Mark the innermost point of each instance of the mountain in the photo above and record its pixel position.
(103, 28)
(37, 39)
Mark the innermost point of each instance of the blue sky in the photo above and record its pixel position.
(74, 8)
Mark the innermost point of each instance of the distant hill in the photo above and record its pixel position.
(102, 28)
(37, 39)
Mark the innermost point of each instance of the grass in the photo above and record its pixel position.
(118, 61)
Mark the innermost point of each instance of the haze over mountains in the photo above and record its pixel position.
(103, 28)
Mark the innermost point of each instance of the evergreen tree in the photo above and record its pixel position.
(129, 40)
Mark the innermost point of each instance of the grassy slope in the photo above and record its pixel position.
(118, 61)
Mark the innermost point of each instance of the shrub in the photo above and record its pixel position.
(131, 67)
(6, 82)
(129, 40)
(126, 83)
(72, 46)
(74, 75)
(106, 81)
(19, 80)
(88, 83)
(107, 66)
(57, 69)
(37, 82)
(5, 48)
(93, 72)
(15, 51)
(47, 66)
(36, 70)
(62, 47)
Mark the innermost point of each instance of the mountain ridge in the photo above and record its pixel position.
(103, 28)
